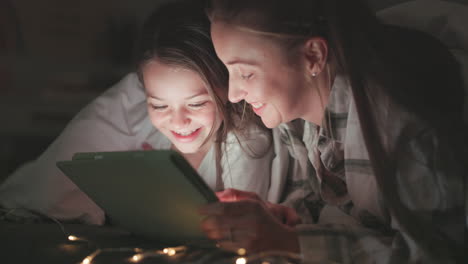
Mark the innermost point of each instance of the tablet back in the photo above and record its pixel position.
(151, 193)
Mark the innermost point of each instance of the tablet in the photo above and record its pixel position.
(154, 193)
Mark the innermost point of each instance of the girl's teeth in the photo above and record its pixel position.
(186, 133)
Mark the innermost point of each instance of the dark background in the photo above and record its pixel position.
(55, 57)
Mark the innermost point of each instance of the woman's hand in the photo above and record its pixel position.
(284, 214)
(246, 222)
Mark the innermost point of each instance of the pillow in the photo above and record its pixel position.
(444, 20)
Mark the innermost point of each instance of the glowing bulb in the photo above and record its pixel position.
(137, 257)
(241, 261)
(90, 258)
(72, 238)
(241, 251)
(171, 252)
(87, 260)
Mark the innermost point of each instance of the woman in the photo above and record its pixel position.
(181, 104)
(382, 124)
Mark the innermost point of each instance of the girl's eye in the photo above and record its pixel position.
(158, 107)
(246, 76)
(197, 105)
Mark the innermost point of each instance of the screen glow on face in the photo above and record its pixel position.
(179, 105)
(259, 74)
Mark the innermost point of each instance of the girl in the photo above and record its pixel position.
(382, 124)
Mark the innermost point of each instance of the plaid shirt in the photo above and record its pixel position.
(353, 225)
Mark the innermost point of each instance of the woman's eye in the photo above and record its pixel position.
(246, 76)
(197, 105)
(158, 107)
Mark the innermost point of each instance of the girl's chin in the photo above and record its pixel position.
(187, 148)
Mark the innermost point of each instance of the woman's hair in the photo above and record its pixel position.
(412, 69)
(177, 34)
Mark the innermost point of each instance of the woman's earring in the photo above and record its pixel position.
(314, 74)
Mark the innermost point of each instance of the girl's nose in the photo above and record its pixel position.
(180, 119)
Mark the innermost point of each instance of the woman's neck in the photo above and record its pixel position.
(323, 84)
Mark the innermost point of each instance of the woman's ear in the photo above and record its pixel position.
(316, 54)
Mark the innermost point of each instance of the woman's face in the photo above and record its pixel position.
(180, 106)
(261, 74)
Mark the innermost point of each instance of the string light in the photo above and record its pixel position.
(140, 254)
(72, 238)
(172, 251)
(261, 256)
(86, 261)
(241, 251)
(137, 257)
(90, 258)
(241, 260)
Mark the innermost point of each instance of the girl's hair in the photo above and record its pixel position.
(177, 34)
(424, 80)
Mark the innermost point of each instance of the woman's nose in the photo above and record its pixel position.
(236, 92)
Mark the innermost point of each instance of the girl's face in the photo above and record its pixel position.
(180, 106)
(262, 75)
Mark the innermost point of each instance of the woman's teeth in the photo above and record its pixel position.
(257, 105)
